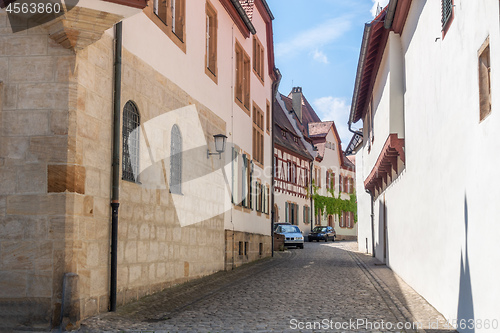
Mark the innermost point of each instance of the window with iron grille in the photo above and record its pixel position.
(446, 12)
(175, 160)
(130, 135)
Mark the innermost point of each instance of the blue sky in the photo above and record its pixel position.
(317, 46)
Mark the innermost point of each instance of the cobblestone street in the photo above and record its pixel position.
(329, 285)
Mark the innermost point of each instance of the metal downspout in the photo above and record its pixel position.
(274, 92)
(115, 197)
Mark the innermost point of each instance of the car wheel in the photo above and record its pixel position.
(333, 239)
(326, 239)
(301, 246)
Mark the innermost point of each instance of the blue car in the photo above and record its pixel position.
(293, 235)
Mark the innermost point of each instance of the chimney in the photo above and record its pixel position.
(297, 102)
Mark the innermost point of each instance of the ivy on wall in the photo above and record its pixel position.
(334, 205)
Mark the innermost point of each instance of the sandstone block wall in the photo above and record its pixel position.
(55, 175)
(36, 89)
(244, 247)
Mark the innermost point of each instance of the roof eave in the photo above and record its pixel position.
(244, 16)
(359, 72)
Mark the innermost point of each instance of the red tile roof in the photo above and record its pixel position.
(248, 6)
(374, 42)
(291, 139)
(320, 129)
(348, 164)
(308, 113)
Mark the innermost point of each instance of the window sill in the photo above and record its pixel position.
(242, 106)
(261, 80)
(257, 163)
(132, 181)
(211, 75)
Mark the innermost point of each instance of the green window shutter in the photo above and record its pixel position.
(286, 211)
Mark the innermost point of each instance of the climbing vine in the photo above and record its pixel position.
(334, 205)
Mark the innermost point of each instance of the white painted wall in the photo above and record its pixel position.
(448, 186)
(187, 70)
(331, 161)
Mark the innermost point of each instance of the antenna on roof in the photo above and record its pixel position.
(379, 9)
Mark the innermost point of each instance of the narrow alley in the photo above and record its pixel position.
(324, 287)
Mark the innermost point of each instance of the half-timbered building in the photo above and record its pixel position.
(292, 164)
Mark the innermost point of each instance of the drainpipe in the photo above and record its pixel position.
(372, 216)
(115, 197)
(311, 165)
(274, 91)
(391, 10)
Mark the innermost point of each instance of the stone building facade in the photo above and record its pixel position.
(56, 145)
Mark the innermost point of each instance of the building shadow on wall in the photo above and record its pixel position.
(465, 311)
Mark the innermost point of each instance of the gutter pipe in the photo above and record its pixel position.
(115, 197)
(389, 17)
(274, 92)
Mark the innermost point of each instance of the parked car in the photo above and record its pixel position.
(276, 225)
(325, 233)
(293, 235)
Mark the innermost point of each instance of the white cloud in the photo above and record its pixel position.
(310, 40)
(336, 109)
(376, 3)
(320, 56)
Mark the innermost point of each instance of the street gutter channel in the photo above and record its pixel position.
(393, 303)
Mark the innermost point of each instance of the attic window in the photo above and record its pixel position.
(283, 133)
(295, 139)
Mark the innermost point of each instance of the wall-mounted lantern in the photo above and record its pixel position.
(220, 145)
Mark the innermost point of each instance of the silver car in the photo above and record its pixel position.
(293, 235)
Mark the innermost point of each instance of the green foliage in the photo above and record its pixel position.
(335, 206)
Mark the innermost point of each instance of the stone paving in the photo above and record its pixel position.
(324, 287)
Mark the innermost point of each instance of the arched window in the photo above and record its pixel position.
(130, 134)
(175, 160)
